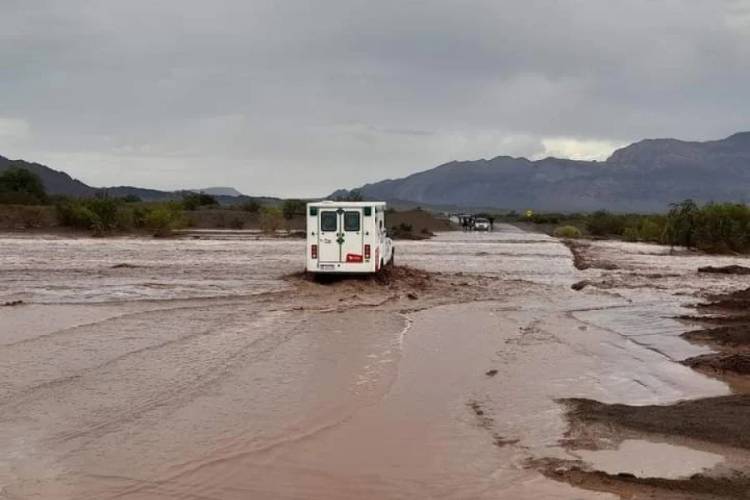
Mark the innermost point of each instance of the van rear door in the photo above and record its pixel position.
(341, 238)
(352, 248)
(328, 236)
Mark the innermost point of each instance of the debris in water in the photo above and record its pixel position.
(13, 303)
(734, 269)
(580, 285)
(491, 373)
(502, 441)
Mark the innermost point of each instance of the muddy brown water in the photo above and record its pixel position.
(197, 369)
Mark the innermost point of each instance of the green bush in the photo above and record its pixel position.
(603, 223)
(631, 233)
(194, 201)
(251, 206)
(290, 208)
(22, 187)
(716, 227)
(271, 219)
(78, 215)
(651, 229)
(162, 219)
(567, 232)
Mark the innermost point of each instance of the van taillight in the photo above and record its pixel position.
(367, 251)
(314, 251)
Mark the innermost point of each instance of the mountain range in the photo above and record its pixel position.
(57, 182)
(643, 177)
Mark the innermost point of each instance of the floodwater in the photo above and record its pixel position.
(195, 369)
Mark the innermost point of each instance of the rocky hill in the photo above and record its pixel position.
(57, 182)
(645, 176)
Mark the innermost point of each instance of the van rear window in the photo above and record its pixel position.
(328, 221)
(351, 221)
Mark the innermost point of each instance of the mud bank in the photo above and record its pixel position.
(696, 487)
(729, 334)
(691, 426)
(721, 420)
(720, 423)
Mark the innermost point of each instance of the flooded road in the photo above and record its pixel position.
(200, 369)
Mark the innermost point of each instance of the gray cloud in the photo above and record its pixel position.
(300, 98)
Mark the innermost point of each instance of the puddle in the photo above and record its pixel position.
(647, 459)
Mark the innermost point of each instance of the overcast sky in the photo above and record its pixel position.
(299, 97)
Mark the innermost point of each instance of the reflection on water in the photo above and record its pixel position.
(647, 459)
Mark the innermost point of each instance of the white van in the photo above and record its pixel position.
(347, 237)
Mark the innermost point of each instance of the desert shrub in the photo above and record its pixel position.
(631, 233)
(681, 224)
(567, 232)
(271, 219)
(21, 186)
(236, 223)
(603, 223)
(106, 211)
(716, 227)
(290, 208)
(541, 218)
(194, 201)
(162, 219)
(77, 214)
(651, 229)
(251, 206)
(24, 216)
(723, 228)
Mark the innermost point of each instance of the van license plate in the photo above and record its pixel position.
(327, 267)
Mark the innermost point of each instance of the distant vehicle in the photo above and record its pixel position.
(481, 224)
(347, 237)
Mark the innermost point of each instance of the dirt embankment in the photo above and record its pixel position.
(721, 420)
(400, 288)
(728, 333)
(583, 258)
(695, 487)
(415, 224)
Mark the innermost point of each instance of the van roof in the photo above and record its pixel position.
(333, 204)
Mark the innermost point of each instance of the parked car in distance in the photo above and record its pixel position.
(481, 224)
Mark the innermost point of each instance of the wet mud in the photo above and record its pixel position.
(721, 420)
(721, 363)
(695, 487)
(718, 423)
(583, 258)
